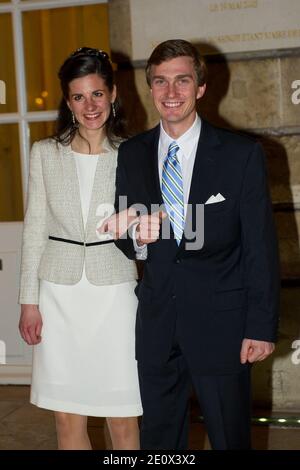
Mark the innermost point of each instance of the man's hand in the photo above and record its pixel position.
(30, 324)
(148, 228)
(253, 350)
(118, 224)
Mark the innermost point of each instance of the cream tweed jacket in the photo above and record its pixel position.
(54, 209)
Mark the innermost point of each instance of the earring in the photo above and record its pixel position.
(73, 119)
(113, 109)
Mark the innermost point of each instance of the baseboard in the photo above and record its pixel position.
(15, 375)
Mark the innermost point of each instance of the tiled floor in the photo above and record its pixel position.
(23, 426)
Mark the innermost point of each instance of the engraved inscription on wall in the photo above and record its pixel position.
(228, 26)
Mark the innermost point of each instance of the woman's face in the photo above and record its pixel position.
(90, 100)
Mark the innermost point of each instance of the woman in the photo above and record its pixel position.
(77, 293)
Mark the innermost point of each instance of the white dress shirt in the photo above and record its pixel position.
(186, 154)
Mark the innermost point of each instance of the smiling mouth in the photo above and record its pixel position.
(171, 104)
(92, 116)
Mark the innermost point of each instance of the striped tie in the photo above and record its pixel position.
(172, 190)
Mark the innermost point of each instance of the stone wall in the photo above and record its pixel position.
(249, 92)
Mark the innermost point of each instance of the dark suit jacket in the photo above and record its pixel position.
(211, 298)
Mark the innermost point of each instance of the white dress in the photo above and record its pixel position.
(85, 363)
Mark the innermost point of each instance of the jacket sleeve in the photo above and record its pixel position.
(260, 251)
(34, 231)
(122, 201)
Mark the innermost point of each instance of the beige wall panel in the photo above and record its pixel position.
(146, 98)
(120, 27)
(244, 94)
(283, 158)
(288, 230)
(137, 101)
(277, 379)
(290, 71)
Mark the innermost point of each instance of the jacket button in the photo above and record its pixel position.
(173, 297)
(178, 261)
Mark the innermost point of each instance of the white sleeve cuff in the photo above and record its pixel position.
(141, 251)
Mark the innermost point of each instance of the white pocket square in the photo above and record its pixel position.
(213, 199)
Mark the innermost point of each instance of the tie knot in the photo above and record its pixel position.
(173, 149)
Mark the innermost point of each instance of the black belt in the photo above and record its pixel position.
(74, 242)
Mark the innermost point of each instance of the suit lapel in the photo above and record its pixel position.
(103, 191)
(150, 167)
(153, 180)
(204, 166)
(95, 198)
(72, 191)
(203, 173)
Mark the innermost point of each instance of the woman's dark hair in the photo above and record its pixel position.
(82, 62)
(173, 48)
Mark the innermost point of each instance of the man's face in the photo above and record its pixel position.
(175, 92)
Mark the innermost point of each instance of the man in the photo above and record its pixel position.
(206, 312)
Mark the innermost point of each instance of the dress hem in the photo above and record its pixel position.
(125, 411)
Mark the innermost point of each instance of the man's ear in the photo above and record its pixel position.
(201, 91)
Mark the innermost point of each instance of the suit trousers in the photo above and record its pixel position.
(165, 392)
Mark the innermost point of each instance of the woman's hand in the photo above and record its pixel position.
(118, 224)
(30, 324)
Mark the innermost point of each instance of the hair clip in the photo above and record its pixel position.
(91, 52)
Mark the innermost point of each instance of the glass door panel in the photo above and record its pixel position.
(49, 37)
(7, 66)
(11, 202)
(41, 130)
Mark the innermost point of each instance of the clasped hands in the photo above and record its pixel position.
(147, 226)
